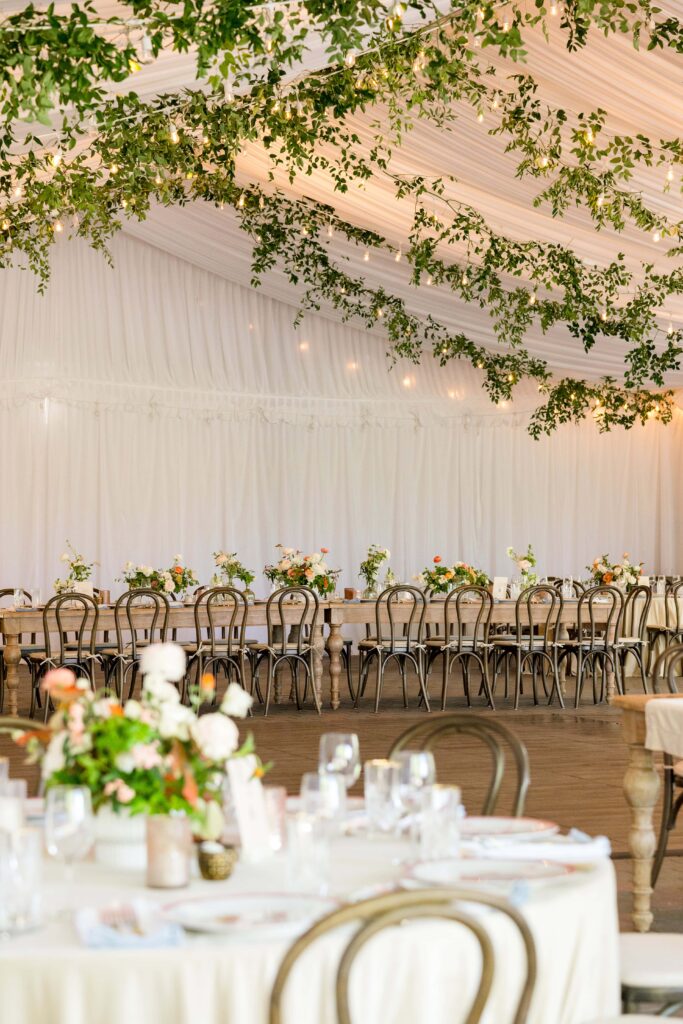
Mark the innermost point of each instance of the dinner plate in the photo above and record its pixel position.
(482, 872)
(250, 915)
(494, 827)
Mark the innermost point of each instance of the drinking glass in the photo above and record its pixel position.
(12, 804)
(4, 769)
(323, 794)
(276, 809)
(440, 822)
(20, 881)
(416, 770)
(36, 596)
(308, 854)
(69, 826)
(382, 800)
(568, 588)
(661, 586)
(19, 598)
(515, 588)
(340, 753)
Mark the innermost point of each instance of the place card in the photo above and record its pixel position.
(250, 808)
(500, 587)
(643, 581)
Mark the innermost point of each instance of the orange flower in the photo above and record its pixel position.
(190, 788)
(116, 711)
(291, 574)
(608, 577)
(449, 575)
(44, 735)
(259, 772)
(60, 683)
(208, 683)
(178, 570)
(324, 551)
(437, 559)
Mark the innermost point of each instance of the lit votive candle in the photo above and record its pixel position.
(169, 849)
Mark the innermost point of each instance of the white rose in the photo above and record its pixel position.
(284, 565)
(288, 551)
(617, 570)
(216, 736)
(164, 660)
(524, 564)
(236, 701)
(221, 558)
(169, 586)
(177, 559)
(387, 553)
(64, 557)
(175, 721)
(55, 757)
(316, 556)
(128, 566)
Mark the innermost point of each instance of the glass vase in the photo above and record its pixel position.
(371, 592)
(169, 849)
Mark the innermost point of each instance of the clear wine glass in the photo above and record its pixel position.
(416, 770)
(382, 801)
(69, 825)
(340, 753)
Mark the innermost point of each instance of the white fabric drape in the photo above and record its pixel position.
(141, 417)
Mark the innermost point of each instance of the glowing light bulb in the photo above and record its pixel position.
(124, 203)
(495, 103)
(5, 225)
(670, 174)
(352, 365)
(303, 346)
(330, 231)
(56, 158)
(407, 382)
(600, 201)
(240, 202)
(397, 257)
(205, 139)
(157, 180)
(173, 136)
(480, 117)
(350, 59)
(553, 9)
(603, 315)
(18, 191)
(269, 45)
(366, 256)
(506, 26)
(58, 227)
(589, 135)
(114, 168)
(532, 299)
(670, 331)
(379, 313)
(511, 378)
(429, 282)
(656, 237)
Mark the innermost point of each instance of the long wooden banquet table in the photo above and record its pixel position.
(16, 624)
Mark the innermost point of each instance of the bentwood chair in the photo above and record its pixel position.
(664, 681)
(497, 739)
(464, 639)
(60, 650)
(290, 643)
(631, 635)
(140, 619)
(220, 647)
(593, 645)
(399, 630)
(671, 632)
(538, 611)
(393, 909)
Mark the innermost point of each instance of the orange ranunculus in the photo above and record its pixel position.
(60, 683)
(437, 559)
(324, 551)
(449, 575)
(190, 788)
(208, 683)
(178, 569)
(608, 577)
(116, 711)
(291, 574)
(44, 735)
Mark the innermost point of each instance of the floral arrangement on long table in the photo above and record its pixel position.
(294, 569)
(80, 571)
(625, 573)
(440, 579)
(149, 756)
(525, 563)
(175, 580)
(229, 568)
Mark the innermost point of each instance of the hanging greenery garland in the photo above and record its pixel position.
(128, 154)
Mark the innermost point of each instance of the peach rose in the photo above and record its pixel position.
(437, 559)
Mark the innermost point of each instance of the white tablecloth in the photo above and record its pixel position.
(420, 973)
(664, 725)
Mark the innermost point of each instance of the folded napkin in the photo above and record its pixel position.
(574, 848)
(134, 925)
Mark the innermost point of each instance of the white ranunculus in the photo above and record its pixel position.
(316, 556)
(64, 557)
(387, 553)
(216, 736)
(124, 762)
(164, 660)
(55, 757)
(236, 701)
(284, 565)
(128, 566)
(132, 708)
(169, 585)
(288, 551)
(524, 564)
(175, 721)
(177, 559)
(158, 690)
(221, 558)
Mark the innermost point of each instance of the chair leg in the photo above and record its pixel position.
(665, 826)
(380, 679)
(269, 684)
(518, 678)
(444, 678)
(485, 680)
(419, 668)
(346, 657)
(464, 663)
(402, 666)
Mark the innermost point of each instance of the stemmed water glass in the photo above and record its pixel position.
(69, 825)
(416, 770)
(340, 753)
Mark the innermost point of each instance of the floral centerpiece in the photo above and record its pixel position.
(152, 756)
(80, 572)
(369, 568)
(525, 563)
(438, 579)
(230, 569)
(621, 574)
(467, 575)
(174, 580)
(294, 569)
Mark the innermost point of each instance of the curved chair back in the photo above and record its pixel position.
(632, 622)
(673, 607)
(537, 612)
(83, 611)
(459, 626)
(231, 606)
(496, 738)
(390, 909)
(303, 606)
(592, 626)
(9, 592)
(131, 635)
(664, 669)
(399, 618)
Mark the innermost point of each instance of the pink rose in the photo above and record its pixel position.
(146, 756)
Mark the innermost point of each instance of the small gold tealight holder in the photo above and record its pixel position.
(216, 861)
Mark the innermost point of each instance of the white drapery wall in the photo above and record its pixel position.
(156, 409)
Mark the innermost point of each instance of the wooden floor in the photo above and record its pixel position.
(577, 760)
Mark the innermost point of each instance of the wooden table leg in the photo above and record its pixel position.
(334, 646)
(12, 657)
(641, 787)
(318, 649)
